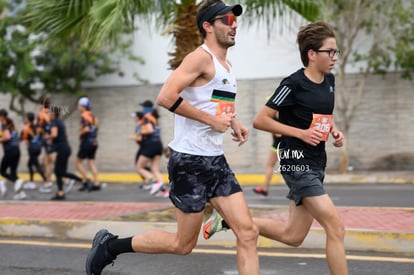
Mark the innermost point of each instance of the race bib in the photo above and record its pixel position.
(225, 101)
(323, 123)
(225, 107)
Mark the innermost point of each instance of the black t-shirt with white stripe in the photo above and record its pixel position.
(297, 99)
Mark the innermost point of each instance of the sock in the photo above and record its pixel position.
(119, 246)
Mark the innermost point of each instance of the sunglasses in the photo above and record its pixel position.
(331, 53)
(226, 20)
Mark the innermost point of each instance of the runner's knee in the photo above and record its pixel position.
(335, 230)
(339, 231)
(294, 241)
(184, 248)
(248, 234)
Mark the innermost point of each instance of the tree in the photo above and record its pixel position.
(31, 63)
(386, 29)
(102, 21)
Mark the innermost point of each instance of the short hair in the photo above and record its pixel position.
(312, 37)
(3, 113)
(30, 116)
(44, 101)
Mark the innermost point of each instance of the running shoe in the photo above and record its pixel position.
(30, 185)
(213, 225)
(156, 187)
(99, 256)
(18, 185)
(260, 191)
(163, 193)
(95, 188)
(86, 186)
(145, 186)
(20, 196)
(46, 187)
(3, 188)
(58, 198)
(68, 185)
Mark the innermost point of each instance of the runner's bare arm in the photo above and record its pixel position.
(265, 121)
(196, 69)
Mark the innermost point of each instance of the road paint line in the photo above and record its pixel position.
(46, 243)
(225, 252)
(310, 255)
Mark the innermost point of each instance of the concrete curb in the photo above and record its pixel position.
(355, 240)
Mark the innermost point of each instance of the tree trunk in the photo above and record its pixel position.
(344, 160)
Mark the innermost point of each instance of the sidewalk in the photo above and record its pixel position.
(367, 228)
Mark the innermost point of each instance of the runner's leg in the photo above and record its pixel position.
(182, 242)
(325, 212)
(291, 233)
(235, 211)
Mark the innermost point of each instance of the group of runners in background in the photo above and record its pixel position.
(45, 132)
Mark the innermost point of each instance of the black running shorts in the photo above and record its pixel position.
(151, 149)
(87, 152)
(304, 184)
(196, 179)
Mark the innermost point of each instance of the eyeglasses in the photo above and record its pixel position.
(331, 52)
(227, 19)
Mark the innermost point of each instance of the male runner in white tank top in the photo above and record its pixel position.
(201, 92)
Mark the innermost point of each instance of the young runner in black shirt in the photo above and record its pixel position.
(304, 103)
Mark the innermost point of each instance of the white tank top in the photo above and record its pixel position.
(215, 97)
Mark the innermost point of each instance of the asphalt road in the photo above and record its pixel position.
(36, 257)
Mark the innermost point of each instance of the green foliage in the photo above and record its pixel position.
(30, 63)
(402, 30)
(270, 9)
(376, 35)
(97, 23)
(102, 22)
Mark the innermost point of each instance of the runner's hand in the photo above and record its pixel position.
(222, 122)
(240, 133)
(312, 136)
(339, 138)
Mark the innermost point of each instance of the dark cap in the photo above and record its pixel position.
(216, 9)
(147, 103)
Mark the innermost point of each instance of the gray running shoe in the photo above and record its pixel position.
(3, 188)
(46, 187)
(99, 256)
(18, 185)
(68, 185)
(20, 196)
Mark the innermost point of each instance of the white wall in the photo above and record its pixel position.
(255, 56)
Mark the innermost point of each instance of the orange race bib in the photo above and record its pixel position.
(323, 123)
(225, 101)
(225, 107)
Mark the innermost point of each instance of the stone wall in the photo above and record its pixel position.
(381, 135)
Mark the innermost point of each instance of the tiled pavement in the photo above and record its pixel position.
(73, 210)
(354, 218)
(375, 229)
(365, 218)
